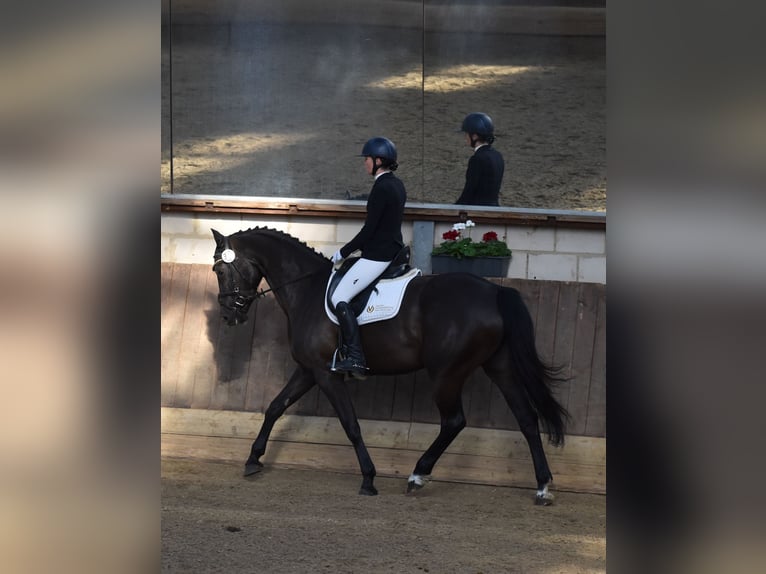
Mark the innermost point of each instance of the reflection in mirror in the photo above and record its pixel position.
(166, 133)
(277, 98)
(530, 68)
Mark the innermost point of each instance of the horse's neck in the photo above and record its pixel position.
(292, 270)
(295, 291)
(294, 279)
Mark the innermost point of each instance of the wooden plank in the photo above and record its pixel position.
(477, 391)
(166, 276)
(566, 319)
(259, 360)
(582, 356)
(193, 325)
(545, 322)
(586, 454)
(404, 395)
(206, 371)
(346, 210)
(596, 419)
(383, 398)
(363, 396)
(268, 374)
(323, 406)
(172, 330)
(232, 360)
(500, 415)
(242, 352)
(423, 407)
(530, 294)
(568, 476)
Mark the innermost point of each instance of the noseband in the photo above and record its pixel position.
(242, 298)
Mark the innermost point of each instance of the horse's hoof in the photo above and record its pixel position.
(368, 491)
(253, 468)
(412, 487)
(544, 497)
(416, 482)
(543, 500)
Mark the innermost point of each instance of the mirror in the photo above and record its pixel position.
(277, 99)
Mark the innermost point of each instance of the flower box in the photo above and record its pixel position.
(481, 266)
(489, 258)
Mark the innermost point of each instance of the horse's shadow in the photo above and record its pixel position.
(231, 346)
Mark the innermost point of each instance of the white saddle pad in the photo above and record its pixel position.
(384, 302)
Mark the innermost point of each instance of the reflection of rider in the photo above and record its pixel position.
(485, 168)
(380, 239)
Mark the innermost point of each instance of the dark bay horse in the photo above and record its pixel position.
(448, 324)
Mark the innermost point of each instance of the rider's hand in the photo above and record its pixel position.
(336, 257)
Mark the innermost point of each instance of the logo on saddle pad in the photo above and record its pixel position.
(378, 302)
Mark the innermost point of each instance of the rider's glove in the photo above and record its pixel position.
(336, 257)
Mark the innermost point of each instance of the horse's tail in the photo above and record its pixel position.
(527, 368)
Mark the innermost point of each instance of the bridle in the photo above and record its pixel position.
(244, 298)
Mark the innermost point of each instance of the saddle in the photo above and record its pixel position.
(399, 271)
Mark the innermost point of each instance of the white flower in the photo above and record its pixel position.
(470, 223)
(459, 226)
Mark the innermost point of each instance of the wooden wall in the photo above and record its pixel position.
(206, 365)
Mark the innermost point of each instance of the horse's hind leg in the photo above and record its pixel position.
(300, 382)
(448, 400)
(336, 391)
(527, 418)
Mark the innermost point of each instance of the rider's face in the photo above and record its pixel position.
(368, 164)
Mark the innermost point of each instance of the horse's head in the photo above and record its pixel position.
(238, 280)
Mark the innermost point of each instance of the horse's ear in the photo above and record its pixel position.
(219, 239)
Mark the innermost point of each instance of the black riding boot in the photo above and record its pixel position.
(353, 357)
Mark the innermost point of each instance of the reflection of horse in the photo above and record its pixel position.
(448, 324)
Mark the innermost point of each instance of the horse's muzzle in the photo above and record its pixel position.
(233, 316)
(234, 307)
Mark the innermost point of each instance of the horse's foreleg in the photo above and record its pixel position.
(300, 382)
(337, 393)
(448, 400)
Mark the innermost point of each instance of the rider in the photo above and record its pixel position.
(380, 240)
(485, 168)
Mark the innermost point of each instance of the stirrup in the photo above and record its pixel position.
(333, 364)
(354, 369)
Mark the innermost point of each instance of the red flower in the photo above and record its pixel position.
(452, 234)
(489, 236)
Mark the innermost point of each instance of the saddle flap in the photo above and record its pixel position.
(381, 300)
(397, 268)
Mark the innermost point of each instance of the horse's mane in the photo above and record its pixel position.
(279, 235)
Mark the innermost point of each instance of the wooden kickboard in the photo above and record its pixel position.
(482, 456)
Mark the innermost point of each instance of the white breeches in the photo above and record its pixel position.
(361, 274)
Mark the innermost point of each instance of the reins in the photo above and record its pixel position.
(263, 292)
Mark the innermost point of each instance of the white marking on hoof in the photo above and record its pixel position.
(544, 494)
(415, 482)
(417, 479)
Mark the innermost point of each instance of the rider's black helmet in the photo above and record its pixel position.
(382, 148)
(379, 147)
(478, 123)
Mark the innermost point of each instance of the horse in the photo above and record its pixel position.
(448, 324)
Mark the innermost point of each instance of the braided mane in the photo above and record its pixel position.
(280, 235)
